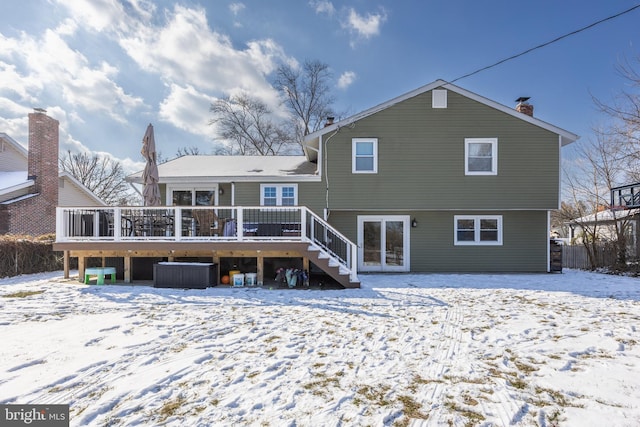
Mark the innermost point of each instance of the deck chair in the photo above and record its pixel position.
(208, 222)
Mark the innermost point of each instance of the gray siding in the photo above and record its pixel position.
(421, 160)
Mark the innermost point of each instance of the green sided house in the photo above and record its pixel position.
(436, 180)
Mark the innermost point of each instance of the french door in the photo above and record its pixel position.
(383, 243)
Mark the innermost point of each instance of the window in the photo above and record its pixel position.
(278, 195)
(481, 156)
(478, 230)
(365, 155)
(193, 196)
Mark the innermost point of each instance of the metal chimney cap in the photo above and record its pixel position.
(39, 110)
(523, 99)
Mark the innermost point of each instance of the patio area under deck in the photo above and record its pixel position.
(209, 233)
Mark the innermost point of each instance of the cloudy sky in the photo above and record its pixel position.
(107, 68)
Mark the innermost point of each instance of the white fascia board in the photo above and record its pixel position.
(228, 179)
(22, 150)
(17, 187)
(82, 187)
(566, 136)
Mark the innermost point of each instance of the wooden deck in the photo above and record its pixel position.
(259, 233)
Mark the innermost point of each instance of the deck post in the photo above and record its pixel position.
(127, 269)
(216, 261)
(81, 266)
(66, 264)
(260, 269)
(305, 266)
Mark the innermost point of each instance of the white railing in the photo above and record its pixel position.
(209, 223)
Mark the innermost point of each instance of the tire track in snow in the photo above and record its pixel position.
(440, 362)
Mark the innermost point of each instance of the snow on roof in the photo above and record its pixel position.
(232, 168)
(606, 215)
(9, 179)
(12, 181)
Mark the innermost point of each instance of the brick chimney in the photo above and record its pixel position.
(329, 121)
(43, 154)
(523, 106)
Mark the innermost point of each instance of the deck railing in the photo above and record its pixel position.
(626, 196)
(209, 223)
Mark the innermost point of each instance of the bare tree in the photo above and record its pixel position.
(102, 175)
(601, 166)
(188, 151)
(624, 115)
(307, 93)
(250, 125)
(612, 160)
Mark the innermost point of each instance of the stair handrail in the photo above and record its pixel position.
(352, 249)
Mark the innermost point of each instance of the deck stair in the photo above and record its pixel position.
(330, 265)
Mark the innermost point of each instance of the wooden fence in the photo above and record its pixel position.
(575, 256)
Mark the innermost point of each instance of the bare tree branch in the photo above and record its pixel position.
(249, 124)
(101, 175)
(307, 93)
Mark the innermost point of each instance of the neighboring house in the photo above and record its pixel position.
(604, 224)
(31, 186)
(436, 180)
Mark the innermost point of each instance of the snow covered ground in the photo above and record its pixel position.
(432, 350)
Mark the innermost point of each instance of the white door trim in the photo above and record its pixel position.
(406, 228)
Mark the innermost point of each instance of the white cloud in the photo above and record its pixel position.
(49, 65)
(187, 109)
(105, 15)
(322, 6)
(236, 8)
(175, 46)
(186, 50)
(364, 27)
(346, 79)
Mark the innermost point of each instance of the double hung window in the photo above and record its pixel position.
(278, 195)
(478, 230)
(481, 156)
(364, 155)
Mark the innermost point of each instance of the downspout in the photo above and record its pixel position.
(326, 172)
(548, 241)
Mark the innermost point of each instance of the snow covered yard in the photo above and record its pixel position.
(436, 349)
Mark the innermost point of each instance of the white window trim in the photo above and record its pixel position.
(171, 188)
(476, 241)
(354, 142)
(494, 157)
(279, 188)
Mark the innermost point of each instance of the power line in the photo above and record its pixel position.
(547, 43)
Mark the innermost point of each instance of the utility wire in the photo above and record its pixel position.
(547, 43)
